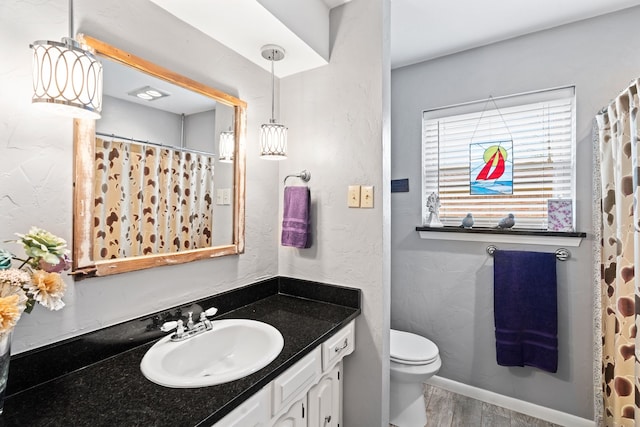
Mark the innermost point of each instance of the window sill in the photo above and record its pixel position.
(492, 235)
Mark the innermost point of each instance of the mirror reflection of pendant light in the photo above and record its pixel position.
(273, 136)
(66, 78)
(226, 147)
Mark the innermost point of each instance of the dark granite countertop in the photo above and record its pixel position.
(113, 391)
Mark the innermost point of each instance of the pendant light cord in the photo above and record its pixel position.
(273, 118)
(71, 35)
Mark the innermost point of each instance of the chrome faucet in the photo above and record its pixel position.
(192, 329)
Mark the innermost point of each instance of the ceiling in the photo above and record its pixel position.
(427, 29)
(420, 29)
(300, 27)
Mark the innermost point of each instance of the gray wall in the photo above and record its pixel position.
(199, 131)
(337, 117)
(150, 124)
(158, 126)
(443, 289)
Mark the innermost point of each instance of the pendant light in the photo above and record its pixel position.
(226, 146)
(67, 79)
(273, 136)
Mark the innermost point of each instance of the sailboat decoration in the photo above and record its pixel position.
(491, 168)
(494, 167)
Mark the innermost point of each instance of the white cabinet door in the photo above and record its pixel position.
(293, 384)
(295, 417)
(254, 412)
(325, 400)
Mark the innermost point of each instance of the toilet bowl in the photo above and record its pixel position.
(414, 359)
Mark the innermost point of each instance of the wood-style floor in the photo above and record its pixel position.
(447, 409)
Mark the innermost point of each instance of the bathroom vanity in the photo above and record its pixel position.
(95, 379)
(307, 394)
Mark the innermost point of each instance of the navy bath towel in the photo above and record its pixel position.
(526, 309)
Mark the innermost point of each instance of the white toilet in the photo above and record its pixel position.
(414, 359)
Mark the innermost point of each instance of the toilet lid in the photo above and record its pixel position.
(411, 349)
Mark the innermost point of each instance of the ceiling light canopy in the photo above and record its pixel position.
(67, 79)
(148, 93)
(273, 135)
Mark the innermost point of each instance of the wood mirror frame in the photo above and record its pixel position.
(84, 135)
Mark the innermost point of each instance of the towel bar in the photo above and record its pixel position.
(562, 254)
(305, 175)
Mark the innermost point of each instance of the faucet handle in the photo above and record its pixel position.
(169, 326)
(204, 317)
(210, 312)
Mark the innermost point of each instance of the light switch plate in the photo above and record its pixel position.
(219, 196)
(366, 196)
(226, 196)
(354, 196)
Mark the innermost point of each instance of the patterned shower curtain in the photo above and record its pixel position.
(618, 140)
(150, 200)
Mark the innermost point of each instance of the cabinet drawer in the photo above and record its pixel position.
(296, 380)
(338, 346)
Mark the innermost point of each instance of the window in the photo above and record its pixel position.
(520, 148)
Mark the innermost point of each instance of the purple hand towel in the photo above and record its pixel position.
(296, 223)
(526, 309)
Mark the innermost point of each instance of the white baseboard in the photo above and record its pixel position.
(547, 414)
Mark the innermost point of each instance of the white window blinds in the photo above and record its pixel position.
(542, 128)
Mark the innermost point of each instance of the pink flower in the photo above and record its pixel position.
(64, 263)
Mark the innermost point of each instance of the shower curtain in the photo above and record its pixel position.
(150, 200)
(619, 290)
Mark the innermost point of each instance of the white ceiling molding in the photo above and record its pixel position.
(308, 19)
(301, 27)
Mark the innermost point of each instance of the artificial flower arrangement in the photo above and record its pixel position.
(36, 279)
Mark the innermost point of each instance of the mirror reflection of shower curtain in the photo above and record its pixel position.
(150, 200)
(620, 251)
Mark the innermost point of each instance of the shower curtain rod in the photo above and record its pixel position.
(156, 144)
(604, 109)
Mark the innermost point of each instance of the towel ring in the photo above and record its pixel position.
(562, 254)
(305, 175)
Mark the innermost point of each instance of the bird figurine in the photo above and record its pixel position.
(507, 222)
(467, 221)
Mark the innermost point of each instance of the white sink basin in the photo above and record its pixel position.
(233, 349)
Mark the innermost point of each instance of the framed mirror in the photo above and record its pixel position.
(160, 178)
